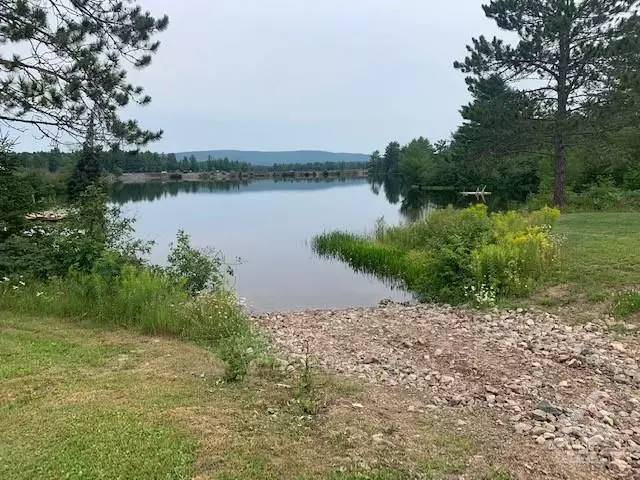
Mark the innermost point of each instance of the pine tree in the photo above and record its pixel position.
(567, 48)
(15, 193)
(87, 170)
(68, 66)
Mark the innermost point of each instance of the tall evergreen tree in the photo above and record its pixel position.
(15, 193)
(567, 50)
(67, 66)
(391, 158)
(87, 170)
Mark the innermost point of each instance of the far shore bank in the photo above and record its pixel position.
(145, 177)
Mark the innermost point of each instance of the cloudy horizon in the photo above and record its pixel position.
(291, 75)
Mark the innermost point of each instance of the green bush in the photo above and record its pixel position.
(454, 255)
(200, 270)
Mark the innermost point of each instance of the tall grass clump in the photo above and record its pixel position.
(95, 271)
(455, 255)
(626, 303)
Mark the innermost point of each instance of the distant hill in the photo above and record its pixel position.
(269, 158)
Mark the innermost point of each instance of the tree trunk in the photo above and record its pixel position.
(560, 154)
(559, 180)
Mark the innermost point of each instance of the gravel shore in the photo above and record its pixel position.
(574, 389)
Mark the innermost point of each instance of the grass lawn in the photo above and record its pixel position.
(602, 257)
(78, 402)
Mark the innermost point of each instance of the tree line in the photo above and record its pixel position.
(119, 162)
(553, 113)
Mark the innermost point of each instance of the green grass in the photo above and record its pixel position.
(626, 303)
(75, 442)
(84, 402)
(601, 259)
(146, 301)
(601, 249)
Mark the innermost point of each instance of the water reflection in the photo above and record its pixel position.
(414, 200)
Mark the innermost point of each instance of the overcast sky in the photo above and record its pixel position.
(341, 75)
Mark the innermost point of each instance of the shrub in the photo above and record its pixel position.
(199, 269)
(455, 255)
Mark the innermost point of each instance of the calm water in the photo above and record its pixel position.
(268, 224)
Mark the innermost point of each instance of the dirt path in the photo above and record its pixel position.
(572, 391)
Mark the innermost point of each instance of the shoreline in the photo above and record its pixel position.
(565, 388)
(150, 177)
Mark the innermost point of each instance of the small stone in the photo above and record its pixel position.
(491, 398)
(357, 405)
(595, 441)
(540, 440)
(618, 347)
(411, 408)
(563, 384)
(493, 390)
(619, 465)
(608, 421)
(438, 352)
(378, 438)
(539, 415)
(461, 423)
(620, 378)
(573, 431)
(446, 379)
(538, 430)
(548, 436)
(522, 427)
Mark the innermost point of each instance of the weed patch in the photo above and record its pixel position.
(455, 255)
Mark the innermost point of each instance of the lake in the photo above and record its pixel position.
(268, 225)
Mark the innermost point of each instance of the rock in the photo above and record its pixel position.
(595, 441)
(572, 431)
(620, 378)
(539, 415)
(461, 423)
(490, 398)
(538, 430)
(618, 347)
(619, 465)
(522, 427)
(548, 436)
(370, 360)
(357, 405)
(446, 379)
(540, 440)
(493, 390)
(547, 407)
(563, 384)
(378, 438)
